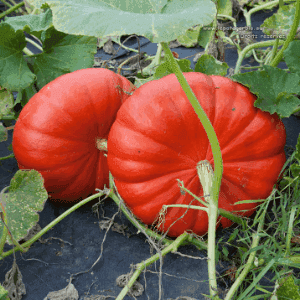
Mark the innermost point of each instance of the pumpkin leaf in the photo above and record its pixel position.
(292, 56)
(26, 197)
(159, 21)
(3, 293)
(6, 103)
(225, 7)
(55, 60)
(208, 65)
(267, 84)
(61, 55)
(204, 36)
(11, 58)
(3, 133)
(190, 38)
(31, 23)
(295, 169)
(280, 23)
(288, 289)
(24, 96)
(164, 69)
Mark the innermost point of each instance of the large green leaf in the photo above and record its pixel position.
(31, 23)
(292, 56)
(190, 38)
(225, 7)
(275, 89)
(288, 289)
(208, 65)
(157, 20)
(63, 53)
(14, 72)
(26, 197)
(164, 68)
(3, 133)
(280, 23)
(6, 103)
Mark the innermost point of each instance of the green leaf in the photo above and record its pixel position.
(190, 38)
(280, 23)
(6, 103)
(225, 251)
(268, 85)
(292, 56)
(14, 72)
(62, 54)
(205, 35)
(208, 65)
(159, 21)
(3, 293)
(31, 23)
(225, 7)
(295, 169)
(3, 133)
(164, 70)
(233, 235)
(101, 42)
(26, 197)
(24, 96)
(288, 289)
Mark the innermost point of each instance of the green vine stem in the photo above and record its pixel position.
(248, 14)
(27, 52)
(233, 20)
(251, 47)
(49, 226)
(141, 266)
(274, 50)
(34, 44)
(12, 9)
(217, 156)
(6, 3)
(7, 157)
(290, 36)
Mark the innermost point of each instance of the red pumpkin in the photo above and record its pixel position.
(158, 138)
(58, 130)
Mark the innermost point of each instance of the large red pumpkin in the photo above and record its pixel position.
(158, 138)
(59, 128)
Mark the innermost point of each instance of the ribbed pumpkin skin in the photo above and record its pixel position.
(158, 138)
(57, 129)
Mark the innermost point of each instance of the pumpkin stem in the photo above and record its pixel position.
(101, 144)
(206, 175)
